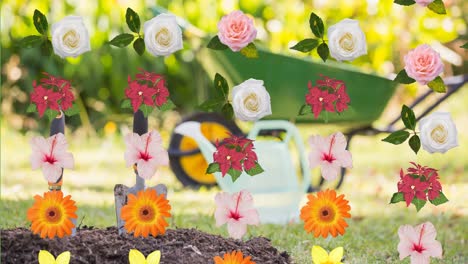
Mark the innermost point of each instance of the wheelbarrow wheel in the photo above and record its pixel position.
(186, 160)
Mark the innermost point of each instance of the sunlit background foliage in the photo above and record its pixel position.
(99, 76)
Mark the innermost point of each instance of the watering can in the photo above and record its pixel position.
(278, 191)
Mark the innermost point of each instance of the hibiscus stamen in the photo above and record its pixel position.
(50, 158)
(145, 155)
(235, 215)
(329, 156)
(418, 247)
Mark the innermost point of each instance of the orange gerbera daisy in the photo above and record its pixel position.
(51, 215)
(145, 212)
(324, 214)
(235, 257)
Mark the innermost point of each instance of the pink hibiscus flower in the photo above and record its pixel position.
(237, 211)
(146, 152)
(51, 155)
(419, 242)
(330, 154)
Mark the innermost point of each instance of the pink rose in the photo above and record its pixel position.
(236, 30)
(424, 2)
(423, 64)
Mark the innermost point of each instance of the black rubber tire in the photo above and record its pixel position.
(174, 145)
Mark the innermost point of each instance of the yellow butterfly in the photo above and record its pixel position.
(46, 258)
(136, 257)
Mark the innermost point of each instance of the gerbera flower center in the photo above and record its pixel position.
(53, 215)
(147, 214)
(327, 214)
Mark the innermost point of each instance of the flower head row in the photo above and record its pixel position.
(324, 214)
(419, 243)
(134, 257)
(234, 155)
(147, 91)
(50, 154)
(70, 37)
(145, 213)
(346, 40)
(51, 215)
(52, 94)
(330, 154)
(162, 35)
(320, 255)
(438, 132)
(237, 32)
(146, 152)
(417, 185)
(328, 94)
(237, 211)
(423, 65)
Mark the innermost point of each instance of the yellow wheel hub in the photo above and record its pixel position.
(195, 165)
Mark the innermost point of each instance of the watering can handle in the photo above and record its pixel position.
(291, 134)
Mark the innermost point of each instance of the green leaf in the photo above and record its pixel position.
(437, 7)
(169, 105)
(415, 143)
(46, 48)
(212, 168)
(40, 22)
(464, 46)
(437, 85)
(408, 117)
(216, 44)
(402, 77)
(133, 20)
(305, 109)
(234, 174)
(221, 84)
(139, 46)
(228, 111)
(405, 2)
(126, 103)
(31, 41)
(146, 109)
(255, 170)
(418, 203)
(51, 114)
(306, 45)
(439, 199)
(122, 40)
(397, 197)
(316, 25)
(397, 137)
(250, 51)
(72, 110)
(323, 51)
(31, 108)
(212, 104)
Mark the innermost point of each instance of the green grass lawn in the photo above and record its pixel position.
(372, 233)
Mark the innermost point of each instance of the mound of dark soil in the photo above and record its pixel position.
(104, 246)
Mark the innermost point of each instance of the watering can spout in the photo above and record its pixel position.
(192, 129)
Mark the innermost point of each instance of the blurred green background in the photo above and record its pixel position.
(99, 78)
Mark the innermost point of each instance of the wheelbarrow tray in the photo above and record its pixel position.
(286, 80)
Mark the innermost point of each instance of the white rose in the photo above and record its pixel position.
(70, 37)
(438, 132)
(346, 40)
(163, 35)
(250, 100)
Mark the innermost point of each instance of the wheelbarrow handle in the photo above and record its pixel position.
(291, 134)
